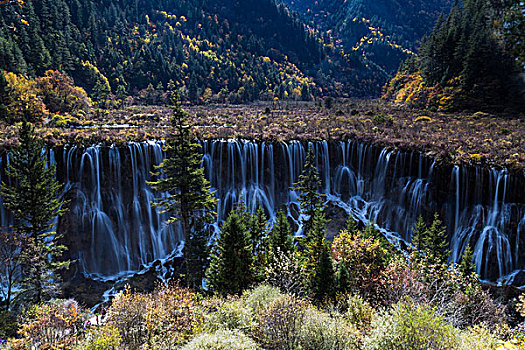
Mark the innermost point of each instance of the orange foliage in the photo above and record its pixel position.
(411, 90)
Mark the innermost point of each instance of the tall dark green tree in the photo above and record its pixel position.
(280, 235)
(320, 279)
(418, 233)
(308, 187)
(4, 96)
(190, 199)
(466, 267)
(436, 242)
(259, 241)
(32, 196)
(231, 266)
(431, 241)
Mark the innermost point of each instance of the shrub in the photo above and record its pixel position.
(221, 340)
(127, 314)
(411, 326)
(382, 119)
(103, 338)
(260, 297)
(321, 331)
(478, 338)
(284, 272)
(172, 316)
(359, 313)
(55, 324)
(229, 315)
(364, 259)
(279, 324)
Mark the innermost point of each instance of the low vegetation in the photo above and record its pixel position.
(431, 311)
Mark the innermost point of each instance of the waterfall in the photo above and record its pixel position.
(111, 217)
(114, 230)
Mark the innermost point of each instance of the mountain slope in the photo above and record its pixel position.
(382, 33)
(223, 49)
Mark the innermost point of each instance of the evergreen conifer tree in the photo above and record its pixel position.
(231, 266)
(308, 187)
(4, 96)
(280, 236)
(466, 267)
(319, 265)
(342, 278)
(258, 241)
(32, 196)
(418, 233)
(436, 243)
(322, 285)
(431, 241)
(190, 199)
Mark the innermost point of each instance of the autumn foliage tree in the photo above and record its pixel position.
(60, 94)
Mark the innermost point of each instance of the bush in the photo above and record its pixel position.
(172, 317)
(103, 338)
(127, 314)
(229, 315)
(382, 119)
(284, 272)
(364, 259)
(411, 326)
(221, 340)
(279, 325)
(460, 299)
(321, 331)
(55, 324)
(478, 338)
(359, 313)
(260, 297)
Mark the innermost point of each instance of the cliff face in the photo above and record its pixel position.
(112, 230)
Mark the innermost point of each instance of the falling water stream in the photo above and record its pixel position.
(113, 230)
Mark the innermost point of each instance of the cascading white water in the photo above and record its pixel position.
(115, 230)
(111, 204)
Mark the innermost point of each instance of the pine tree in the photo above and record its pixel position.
(436, 244)
(280, 236)
(4, 96)
(231, 266)
(31, 196)
(319, 265)
(342, 278)
(258, 240)
(418, 233)
(431, 242)
(322, 285)
(190, 199)
(308, 187)
(466, 267)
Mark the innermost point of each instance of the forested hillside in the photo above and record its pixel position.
(471, 60)
(379, 33)
(224, 50)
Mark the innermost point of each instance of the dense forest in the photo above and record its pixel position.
(226, 50)
(472, 59)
